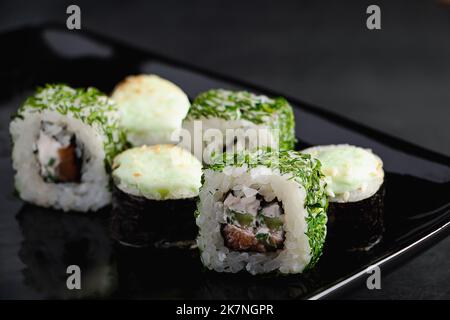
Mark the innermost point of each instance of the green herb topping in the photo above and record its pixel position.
(88, 105)
(276, 113)
(301, 168)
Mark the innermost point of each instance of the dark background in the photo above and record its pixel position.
(396, 79)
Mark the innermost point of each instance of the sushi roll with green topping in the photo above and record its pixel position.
(151, 109)
(232, 121)
(355, 179)
(155, 193)
(262, 212)
(64, 140)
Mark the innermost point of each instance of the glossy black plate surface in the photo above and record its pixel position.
(37, 245)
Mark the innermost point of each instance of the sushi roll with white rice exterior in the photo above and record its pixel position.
(64, 140)
(232, 121)
(262, 212)
(155, 194)
(151, 109)
(355, 179)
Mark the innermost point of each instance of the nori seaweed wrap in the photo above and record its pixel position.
(154, 195)
(356, 195)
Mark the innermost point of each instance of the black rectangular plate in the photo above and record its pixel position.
(37, 245)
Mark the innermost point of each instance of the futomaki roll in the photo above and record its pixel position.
(151, 109)
(155, 194)
(262, 212)
(231, 121)
(356, 194)
(64, 140)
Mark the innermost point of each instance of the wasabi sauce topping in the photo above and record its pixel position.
(352, 173)
(158, 172)
(151, 109)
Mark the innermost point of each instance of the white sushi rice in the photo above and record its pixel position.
(294, 256)
(91, 193)
(205, 137)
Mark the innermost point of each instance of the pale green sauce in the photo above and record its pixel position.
(151, 108)
(347, 168)
(158, 172)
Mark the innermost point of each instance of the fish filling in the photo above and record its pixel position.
(58, 153)
(254, 222)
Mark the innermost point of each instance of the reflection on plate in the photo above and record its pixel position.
(54, 240)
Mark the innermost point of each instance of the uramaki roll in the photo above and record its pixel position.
(232, 121)
(262, 212)
(64, 140)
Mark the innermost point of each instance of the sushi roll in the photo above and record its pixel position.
(262, 212)
(155, 194)
(231, 121)
(64, 140)
(151, 109)
(355, 179)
